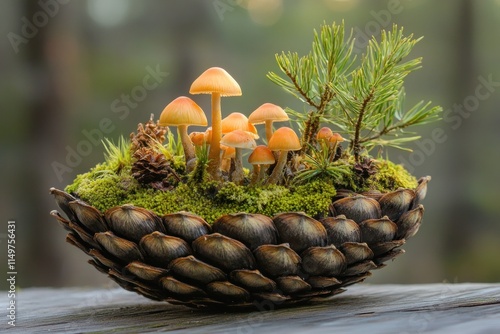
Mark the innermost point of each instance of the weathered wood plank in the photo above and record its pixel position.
(439, 308)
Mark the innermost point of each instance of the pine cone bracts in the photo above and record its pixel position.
(244, 258)
(147, 134)
(150, 167)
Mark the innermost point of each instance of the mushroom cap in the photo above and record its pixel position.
(261, 155)
(215, 80)
(325, 133)
(208, 135)
(229, 152)
(336, 137)
(238, 121)
(198, 138)
(284, 139)
(238, 139)
(268, 112)
(183, 111)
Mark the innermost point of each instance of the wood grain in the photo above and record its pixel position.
(432, 308)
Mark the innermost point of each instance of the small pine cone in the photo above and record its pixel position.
(365, 168)
(147, 134)
(149, 166)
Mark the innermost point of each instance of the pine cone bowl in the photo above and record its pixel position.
(244, 259)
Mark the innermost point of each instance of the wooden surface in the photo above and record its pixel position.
(434, 308)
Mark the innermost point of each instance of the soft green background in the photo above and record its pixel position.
(71, 73)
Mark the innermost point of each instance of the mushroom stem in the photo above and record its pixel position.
(255, 174)
(214, 153)
(238, 174)
(269, 130)
(278, 169)
(333, 150)
(262, 173)
(187, 144)
(225, 164)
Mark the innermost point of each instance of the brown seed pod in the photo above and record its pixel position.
(251, 229)
(223, 252)
(388, 256)
(253, 280)
(277, 260)
(357, 208)
(84, 235)
(144, 271)
(340, 230)
(61, 220)
(180, 289)
(396, 203)
(372, 193)
(105, 262)
(384, 247)
(321, 282)
(132, 222)
(89, 217)
(359, 268)
(292, 284)
(421, 190)
(374, 231)
(122, 249)
(159, 249)
(192, 269)
(409, 223)
(62, 200)
(356, 252)
(227, 292)
(300, 231)
(185, 225)
(323, 261)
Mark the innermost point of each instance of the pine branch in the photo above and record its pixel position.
(364, 103)
(356, 141)
(299, 89)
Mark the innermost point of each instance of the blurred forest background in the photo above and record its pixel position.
(67, 65)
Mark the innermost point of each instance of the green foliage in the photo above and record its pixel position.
(173, 145)
(117, 156)
(319, 165)
(200, 173)
(365, 103)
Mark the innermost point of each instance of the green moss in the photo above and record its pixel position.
(92, 174)
(391, 176)
(388, 177)
(104, 189)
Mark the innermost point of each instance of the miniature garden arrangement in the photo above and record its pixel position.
(226, 217)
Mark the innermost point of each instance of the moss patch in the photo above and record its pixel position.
(391, 176)
(105, 187)
(210, 200)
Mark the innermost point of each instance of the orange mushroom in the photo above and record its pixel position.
(238, 121)
(218, 82)
(197, 138)
(183, 112)
(260, 159)
(283, 140)
(334, 141)
(268, 113)
(324, 134)
(239, 140)
(229, 153)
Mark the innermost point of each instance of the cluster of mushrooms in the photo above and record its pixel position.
(227, 137)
